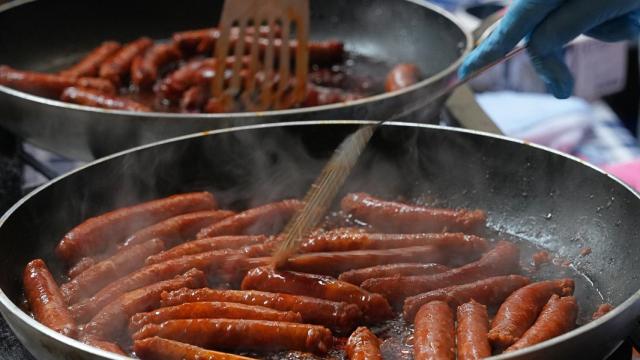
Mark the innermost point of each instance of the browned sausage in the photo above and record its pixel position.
(178, 228)
(209, 261)
(338, 316)
(145, 72)
(434, 332)
(266, 219)
(95, 98)
(155, 348)
(373, 306)
(520, 310)
(202, 41)
(49, 85)
(328, 77)
(490, 291)
(501, 260)
(395, 217)
(321, 53)
(363, 345)
(118, 65)
(320, 95)
(113, 318)
(601, 311)
(45, 299)
(104, 345)
(358, 276)
(106, 230)
(210, 309)
(108, 270)
(401, 76)
(207, 244)
(194, 99)
(557, 317)
(256, 335)
(82, 265)
(90, 64)
(471, 334)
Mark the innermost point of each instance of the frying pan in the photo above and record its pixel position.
(546, 198)
(50, 35)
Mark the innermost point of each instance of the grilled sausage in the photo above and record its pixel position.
(104, 345)
(194, 99)
(90, 64)
(434, 332)
(108, 270)
(490, 291)
(520, 310)
(49, 85)
(145, 71)
(202, 41)
(155, 348)
(471, 334)
(363, 345)
(401, 76)
(338, 316)
(104, 231)
(373, 306)
(95, 98)
(557, 317)
(320, 95)
(45, 299)
(207, 244)
(358, 276)
(395, 217)
(113, 318)
(266, 219)
(118, 65)
(601, 311)
(255, 335)
(501, 260)
(210, 309)
(178, 228)
(82, 265)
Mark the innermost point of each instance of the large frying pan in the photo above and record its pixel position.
(547, 198)
(49, 35)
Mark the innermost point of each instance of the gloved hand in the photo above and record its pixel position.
(549, 24)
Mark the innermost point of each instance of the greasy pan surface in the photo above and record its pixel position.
(551, 200)
(49, 36)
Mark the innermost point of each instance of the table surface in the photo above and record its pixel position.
(10, 347)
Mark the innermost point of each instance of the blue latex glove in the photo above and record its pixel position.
(549, 24)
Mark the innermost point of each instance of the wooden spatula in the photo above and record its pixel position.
(268, 82)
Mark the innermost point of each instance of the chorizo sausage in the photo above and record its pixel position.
(557, 317)
(358, 276)
(49, 85)
(266, 219)
(82, 265)
(118, 65)
(45, 299)
(145, 71)
(373, 306)
(471, 334)
(501, 260)
(338, 316)
(434, 332)
(194, 99)
(155, 348)
(104, 345)
(207, 244)
(95, 98)
(363, 345)
(520, 310)
(401, 76)
(113, 318)
(90, 64)
(104, 231)
(255, 335)
(202, 41)
(395, 217)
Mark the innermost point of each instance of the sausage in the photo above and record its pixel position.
(108, 270)
(363, 345)
(395, 217)
(557, 317)
(104, 231)
(490, 291)
(338, 316)
(266, 219)
(434, 332)
(501, 260)
(150, 274)
(334, 263)
(328, 78)
(373, 306)
(145, 71)
(118, 65)
(236, 334)
(90, 64)
(82, 265)
(358, 276)
(202, 41)
(155, 348)
(49, 85)
(601, 311)
(207, 244)
(178, 228)
(520, 309)
(113, 318)
(320, 95)
(210, 309)
(401, 76)
(471, 334)
(45, 299)
(104, 345)
(323, 53)
(194, 99)
(95, 98)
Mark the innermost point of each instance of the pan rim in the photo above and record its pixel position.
(7, 304)
(439, 76)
